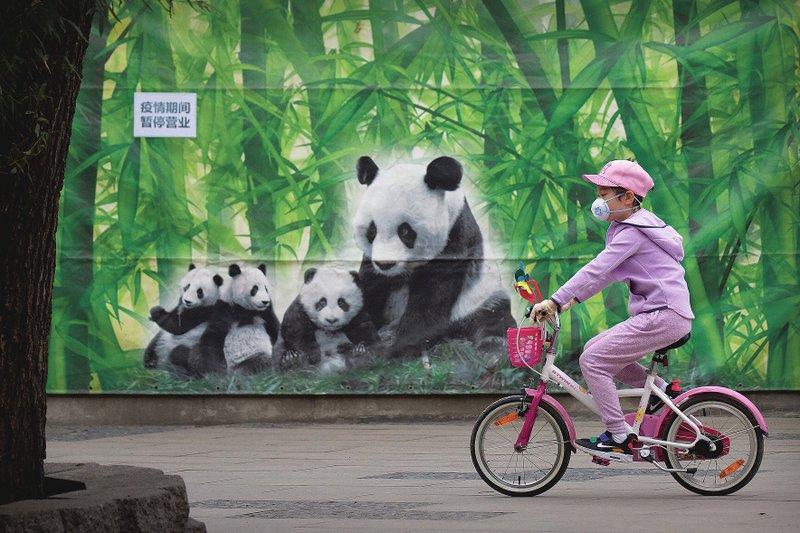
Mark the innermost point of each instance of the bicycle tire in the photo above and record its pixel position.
(524, 473)
(717, 476)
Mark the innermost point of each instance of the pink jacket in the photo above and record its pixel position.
(644, 253)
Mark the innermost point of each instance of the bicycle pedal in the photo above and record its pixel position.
(600, 461)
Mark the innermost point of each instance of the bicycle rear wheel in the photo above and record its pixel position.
(530, 471)
(739, 440)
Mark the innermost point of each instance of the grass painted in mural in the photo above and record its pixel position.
(525, 95)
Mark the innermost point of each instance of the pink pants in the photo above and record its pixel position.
(614, 354)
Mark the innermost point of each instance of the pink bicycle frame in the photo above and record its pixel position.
(647, 427)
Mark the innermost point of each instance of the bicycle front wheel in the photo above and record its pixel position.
(738, 439)
(527, 472)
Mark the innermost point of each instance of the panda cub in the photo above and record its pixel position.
(425, 271)
(254, 326)
(201, 299)
(326, 326)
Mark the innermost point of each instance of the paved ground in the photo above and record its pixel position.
(419, 477)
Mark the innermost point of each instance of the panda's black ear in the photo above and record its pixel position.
(218, 281)
(356, 277)
(234, 270)
(309, 275)
(191, 267)
(444, 173)
(366, 169)
(263, 268)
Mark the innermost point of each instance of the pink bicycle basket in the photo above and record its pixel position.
(525, 345)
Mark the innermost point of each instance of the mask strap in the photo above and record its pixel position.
(623, 210)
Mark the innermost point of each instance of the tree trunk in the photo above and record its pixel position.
(40, 85)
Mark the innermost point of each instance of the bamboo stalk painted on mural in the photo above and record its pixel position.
(526, 95)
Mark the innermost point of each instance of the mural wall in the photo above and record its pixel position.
(320, 197)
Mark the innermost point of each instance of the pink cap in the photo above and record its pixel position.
(623, 173)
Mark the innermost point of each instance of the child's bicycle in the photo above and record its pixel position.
(711, 439)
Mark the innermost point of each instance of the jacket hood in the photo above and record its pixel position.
(659, 232)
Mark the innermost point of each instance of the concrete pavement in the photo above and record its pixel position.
(419, 477)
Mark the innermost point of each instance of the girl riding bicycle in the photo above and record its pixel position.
(645, 253)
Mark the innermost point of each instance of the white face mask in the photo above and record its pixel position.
(601, 210)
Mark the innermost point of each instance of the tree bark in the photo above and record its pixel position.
(39, 89)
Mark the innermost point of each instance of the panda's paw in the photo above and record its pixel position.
(387, 334)
(360, 349)
(292, 359)
(157, 313)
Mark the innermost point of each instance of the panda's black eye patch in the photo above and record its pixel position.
(321, 304)
(372, 231)
(343, 305)
(186, 288)
(407, 235)
(200, 293)
(254, 290)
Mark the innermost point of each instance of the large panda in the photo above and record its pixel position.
(423, 271)
(325, 326)
(201, 299)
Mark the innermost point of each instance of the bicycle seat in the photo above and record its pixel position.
(680, 342)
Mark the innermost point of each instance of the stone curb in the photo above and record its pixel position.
(91, 410)
(117, 498)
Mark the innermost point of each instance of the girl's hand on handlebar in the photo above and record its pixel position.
(544, 309)
(567, 305)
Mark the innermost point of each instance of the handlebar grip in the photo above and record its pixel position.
(528, 311)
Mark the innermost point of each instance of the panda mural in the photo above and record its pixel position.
(253, 325)
(201, 299)
(423, 271)
(236, 335)
(326, 326)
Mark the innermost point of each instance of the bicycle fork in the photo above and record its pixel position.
(530, 415)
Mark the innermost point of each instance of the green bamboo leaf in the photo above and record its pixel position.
(128, 194)
(573, 35)
(700, 62)
(137, 285)
(334, 83)
(94, 159)
(363, 14)
(521, 233)
(729, 32)
(737, 206)
(784, 301)
(119, 41)
(224, 236)
(583, 87)
(143, 321)
(288, 228)
(347, 115)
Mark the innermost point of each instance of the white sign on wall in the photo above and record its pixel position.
(165, 114)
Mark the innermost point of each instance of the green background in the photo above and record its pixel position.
(527, 95)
